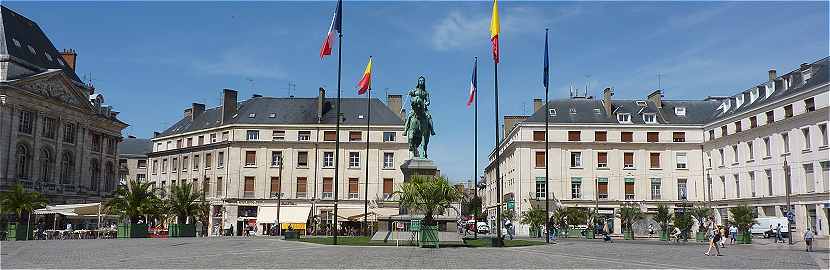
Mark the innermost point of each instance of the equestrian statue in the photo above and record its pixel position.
(418, 126)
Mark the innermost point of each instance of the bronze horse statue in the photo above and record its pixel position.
(418, 127)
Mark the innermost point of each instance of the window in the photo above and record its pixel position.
(737, 178)
(208, 161)
(23, 159)
(602, 160)
(220, 160)
(185, 162)
(752, 183)
(768, 172)
(49, 127)
(67, 167)
(249, 187)
(302, 183)
(302, 159)
(822, 128)
(750, 150)
(276, 158)
(225, 136)
(189, 142)
(678, 136)
(329, 136)
(576, 187)
(69, 133)
(142, 164)
(650, 118)
(753, 122)
(788, 111)
(304, 135)
(252, 135)
(212, 137)
(278, 135)
(96, 142)
(629, 188)
(600, 136)
(353, 188)
(219, 184)
(735, 154)
(354, 159)
(809, 178)
(627, 136)
(652, 136)
(26, 122)
(276, 187)
(737, 126)
(767, 148)
(655, 189)
(576, 159)
(723, 131)
(355, 136)
(552, 112)
(387, 188)
(141, 177)
(624, 117)
(785, 138)
(628, 160)
(328, 159)
(155, 166)
(572, 110)
(825, 174)
(654, 160)
(680, 111)
(388, 160)
(722, 158)
(573, 136)
(602, 188)
(541, 187)
(681, 189)
(201, 140)
(806, 132)
(711, 134)
(178, 143)
(327, 187)
(770, 117)
(388, 136)
(196, 162)
(539, 158)
(94, 175)
(174, 165)
(539, 136)
(250, 158)
(810, 104)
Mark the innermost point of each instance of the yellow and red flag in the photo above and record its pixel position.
(494, 31)
(366, 82)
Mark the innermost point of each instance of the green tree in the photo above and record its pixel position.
(428, 195)
(183, 202)
(742, 217)
(683, 222)
(701, 213)
(17, 200)
(534, 217)
(471, 206)
(133, 201)
(560, 218)
(663, 217)
(629, 214)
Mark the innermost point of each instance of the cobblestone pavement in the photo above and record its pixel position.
(238, 252)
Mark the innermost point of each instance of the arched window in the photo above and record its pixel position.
(46, 165)
(94, 175)
(23, 157)
(67, 167)
(109, 176)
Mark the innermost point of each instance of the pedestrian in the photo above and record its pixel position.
(733, 233)
(778, 234)
(676, 235)
(808, 239)
(713, 242)
(722, 232)
(650, 230)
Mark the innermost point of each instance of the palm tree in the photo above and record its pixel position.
(629, 214)
(743, 218)
(560, 218)
(535, 218)
(428, 195)
(134, 201)
(663, 217)
(183, 202)
(20, 201)
(701, 213)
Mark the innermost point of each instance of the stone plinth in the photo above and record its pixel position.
(420, 167)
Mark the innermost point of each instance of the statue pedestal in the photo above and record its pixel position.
(419, 167)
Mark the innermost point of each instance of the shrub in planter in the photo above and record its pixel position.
(663, 217)
(628, 234)
(701, 214)
(629, 214)
(132, 230)
(16, 232)
(182, 230)
(429, 236)
(428, 195)
(743, 218)
(20, 201)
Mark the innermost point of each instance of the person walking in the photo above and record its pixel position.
(650, 230)
(733, 234)
(713, 241)
(778, 234)
(676, 234)
(808, 239)
(722, 231)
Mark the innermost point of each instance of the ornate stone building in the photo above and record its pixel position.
(132, 159)
(57, 135)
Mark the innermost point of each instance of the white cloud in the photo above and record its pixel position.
(241, 62)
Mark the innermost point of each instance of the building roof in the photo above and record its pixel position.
(592, 111)
(135, 147)
(288, 111)
(19, 37)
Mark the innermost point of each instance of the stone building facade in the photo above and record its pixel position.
(132, 159)
(57, 135)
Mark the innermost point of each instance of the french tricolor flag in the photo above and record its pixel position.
(473, 84)
(336, 25)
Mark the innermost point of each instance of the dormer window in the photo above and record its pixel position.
(739, 100)
(552, 112)
(624, 118)
(640, 103)
(806, 75)
(650, 118)
(572, 111)
(272, 115)
(597, 111)
(680, 111)
(359, 116)
(251, 115)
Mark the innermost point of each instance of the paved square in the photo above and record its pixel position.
(240, 252)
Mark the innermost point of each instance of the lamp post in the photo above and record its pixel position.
(789, 207)
(279, 196)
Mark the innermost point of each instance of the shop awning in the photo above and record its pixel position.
(267, 214)
(293, 214)
(85, 209)
(357, 213)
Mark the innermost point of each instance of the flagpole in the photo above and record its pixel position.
(498, 155)
(366, 185)
(475, 151)
(337, 133)
(547, 145)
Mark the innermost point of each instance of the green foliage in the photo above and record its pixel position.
(560, 218)
(429, 195)
(507, 215)
(534, 217)
(133, 201)
(742, 217)
(19, 201)
(663, 217)
(589, 215)
(184, 202)
(684, 222)
(701, 213)
(471, 206)
(629, 214)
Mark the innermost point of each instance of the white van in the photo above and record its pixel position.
(765, 223)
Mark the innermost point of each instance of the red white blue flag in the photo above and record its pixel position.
(336, 25)
(473, 84)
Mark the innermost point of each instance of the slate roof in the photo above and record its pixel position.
(289, 111)
(16, 27)
(591, 111)
(135, 147)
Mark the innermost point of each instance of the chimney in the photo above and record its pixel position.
(69, 57)
(196, 109)
(228, 104)
(537, 104)
(606, 100)
(394, 104)
(156, 134)
(188, 113)
(772, 75)
(510, 121)
(805, 66)
(256, 96)
(321, 101)
(657, 98)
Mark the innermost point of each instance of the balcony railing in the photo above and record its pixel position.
(327, 195)
(277, 194)
(301, 194)
(248, 194)
(629, 196)
(353, 195)
(603, 196)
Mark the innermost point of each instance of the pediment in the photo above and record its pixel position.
(55, 86)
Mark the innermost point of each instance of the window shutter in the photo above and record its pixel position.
(603, 188)
(387, 185)
(301, 184)
(602, 157)
(628, 158)
(627, 136)
(352, 185)
(329, 136)
(539, 136)
(250, 157)
(249, 184)
(600, 136)
(679, 136)
(573, 136)
(653, 136)
(275, 184)
(355, 136)
(629, 188)
(655, 160)
(327, 184)
(540, 159)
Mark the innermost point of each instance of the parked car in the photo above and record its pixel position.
(483, 227)
(763, 226)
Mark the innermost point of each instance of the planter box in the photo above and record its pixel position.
(132, 230)
(291, 235)
(700, 236)
(182, 230)
(16, 232)
(664, 236)
(628, 235)
(429, 236)
(744, 238)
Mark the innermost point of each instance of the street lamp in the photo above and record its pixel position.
(279, 197)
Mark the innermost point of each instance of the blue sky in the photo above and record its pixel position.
(152, 59)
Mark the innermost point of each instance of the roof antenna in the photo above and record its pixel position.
(659, 81)
(251, 82)
(292, 87)
(587, 84)
(571, 91)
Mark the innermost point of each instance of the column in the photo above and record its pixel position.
(822, 222)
